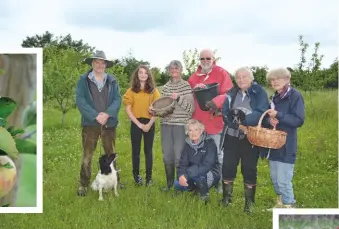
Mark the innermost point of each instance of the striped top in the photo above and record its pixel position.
(184, 107)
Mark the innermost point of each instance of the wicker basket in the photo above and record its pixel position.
(163, 106)
(267, 138)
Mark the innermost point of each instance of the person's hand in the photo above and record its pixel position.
(174, 95)
(183, 180)
(212, 108)
(105, 118)
(102, 118)
(151, 111)
(200, 85)
(140, 125)
(146, 127)
(243, 128)
(274, 122)
(272, 113)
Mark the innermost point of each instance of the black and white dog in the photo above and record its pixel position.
(238, 115)
(106, 178)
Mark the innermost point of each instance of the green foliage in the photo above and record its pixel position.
(331, 76)
(130, 64)
(191, 60)
(48, 39)
(260, 74)
(121, 75)
(14, 140)
(308, 75)
(7, 166)
(7, 106)
(61, 73)
(7, 142)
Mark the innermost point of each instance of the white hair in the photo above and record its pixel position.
(278, 73)
(245, 69)
(209, 51)
(194, 122)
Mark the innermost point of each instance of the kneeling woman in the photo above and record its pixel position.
(198, 167)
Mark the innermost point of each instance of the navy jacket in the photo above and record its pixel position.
(199, 163)
(258, 101)
(85, 103)
(291, 115)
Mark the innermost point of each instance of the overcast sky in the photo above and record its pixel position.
(261, 32)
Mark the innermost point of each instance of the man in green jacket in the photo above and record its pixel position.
(98, 100)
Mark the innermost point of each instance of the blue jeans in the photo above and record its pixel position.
(281, 176)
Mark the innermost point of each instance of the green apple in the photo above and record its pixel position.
(8, 175)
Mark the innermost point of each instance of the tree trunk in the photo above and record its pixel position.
(63, 119)
(19, 83)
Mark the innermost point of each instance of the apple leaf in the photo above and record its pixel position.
(7, 143)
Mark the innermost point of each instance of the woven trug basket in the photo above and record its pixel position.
(267, 138)
(163, 106)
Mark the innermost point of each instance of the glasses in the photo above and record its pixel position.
(207, 58)
(278, 79)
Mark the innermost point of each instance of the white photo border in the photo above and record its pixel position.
(39, 124)
(301, 211)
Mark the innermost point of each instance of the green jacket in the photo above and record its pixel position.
(85, 103)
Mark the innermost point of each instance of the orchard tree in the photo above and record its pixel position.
(156, 73)
(130, 63)
(122, 78)
(61, 42)
(308, 75)
(260, 74)
(61, 73)
(331, 75)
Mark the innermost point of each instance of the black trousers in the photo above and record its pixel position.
(236, 149)
(136, 135)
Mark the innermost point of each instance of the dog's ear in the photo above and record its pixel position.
(112, 157)
(238, 115)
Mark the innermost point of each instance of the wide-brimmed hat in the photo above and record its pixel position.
(99, 55)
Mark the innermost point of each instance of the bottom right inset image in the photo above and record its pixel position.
(309, 221)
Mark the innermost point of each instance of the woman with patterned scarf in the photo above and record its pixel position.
(287, 113)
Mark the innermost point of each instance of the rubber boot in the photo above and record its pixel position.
(203, 189)
(169, 170)
(249, 198)
(227, 193)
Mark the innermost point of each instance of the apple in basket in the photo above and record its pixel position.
(8, 175)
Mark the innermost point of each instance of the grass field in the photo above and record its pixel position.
(315, 181)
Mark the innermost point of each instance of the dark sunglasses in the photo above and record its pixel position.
(207, 58)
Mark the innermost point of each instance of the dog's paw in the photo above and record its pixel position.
(116, 194)
(101, 199)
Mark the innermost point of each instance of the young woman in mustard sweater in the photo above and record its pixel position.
(137, 99)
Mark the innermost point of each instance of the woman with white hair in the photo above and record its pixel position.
(251, 100)
(198, 166)
(287, 113)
